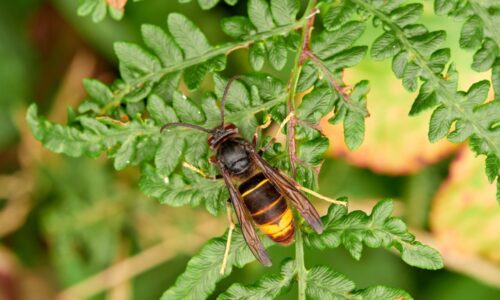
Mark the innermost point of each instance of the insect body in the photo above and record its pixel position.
(268, 208)
(265, 203)
(259, 193)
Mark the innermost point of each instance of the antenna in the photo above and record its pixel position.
(224, 95)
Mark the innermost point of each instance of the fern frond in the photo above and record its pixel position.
(378, 229)
(416, 54)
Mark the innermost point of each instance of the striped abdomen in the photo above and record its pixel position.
(269, 209)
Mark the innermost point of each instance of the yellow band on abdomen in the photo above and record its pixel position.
(254, 188)
(268, 207)
(283, 222)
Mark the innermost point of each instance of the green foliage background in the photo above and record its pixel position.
(83, 216)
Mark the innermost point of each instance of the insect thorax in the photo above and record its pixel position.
(234, 157)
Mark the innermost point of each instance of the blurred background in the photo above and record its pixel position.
(77, 229)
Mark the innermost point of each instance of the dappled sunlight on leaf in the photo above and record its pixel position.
(465, 215)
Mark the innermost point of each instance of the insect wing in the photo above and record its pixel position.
(289, 188)
(246, 222)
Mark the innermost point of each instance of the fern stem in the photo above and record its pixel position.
(448, 96)
(341, 90)
(292, 86)
(300, 266)
(300, 57)
(307, 26)
(225, 49)
(333, 83)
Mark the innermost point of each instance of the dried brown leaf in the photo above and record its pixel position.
(465, 215)
(117, 4)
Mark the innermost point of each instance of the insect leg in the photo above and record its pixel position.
(273, 139)
(189, 166)
(319, 196)
(259, 129)
(229, 236)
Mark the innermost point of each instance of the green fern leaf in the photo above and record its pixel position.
(202, 272)
(284, 12)
(161, 44)
(311, 152)
(416, 53)
(278, 53)
(189, 37)
(98, 91)
(260, 15)
(96, 8)
(207, 4)
(377, 230)
(125, 152)
(327, 44)
(307, 77)
(169, 153)
(354, 120)
(339, 13)
(237, 27)
(160, 112)
(176, 190)
(267, 288)
(186, 50)
(407, 14)
(444, 7)
(472, 33)
(186, 110)
(136, 59)
(316, 104)
(67, 140)
(485, 57)
(257, 56)
(479, 31)
(323, 283)
(122, 141)
(382, 292)
(495, 78)
(333, 52)
(385, 46)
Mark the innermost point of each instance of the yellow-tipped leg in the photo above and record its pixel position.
(311, 192)
(260, 128)
(197, 170)
(229, 235)
(286, 120)
(266, 123)
(282, 125)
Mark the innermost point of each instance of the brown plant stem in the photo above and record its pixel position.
(318, 62)
(310, 14)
